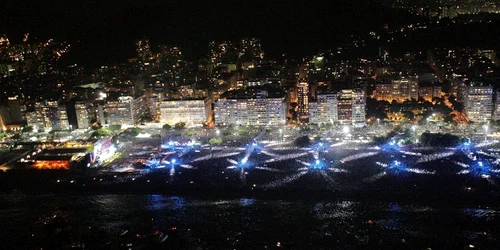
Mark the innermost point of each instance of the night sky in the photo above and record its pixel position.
(103, 31)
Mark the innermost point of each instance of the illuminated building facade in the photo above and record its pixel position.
(303, 100)
(259, 111)
(82, 114)
(479, 103)
(126, 110)
(324, 110)
(383, 92)
(48, 116)
(351, 106)
(192, 112)
(266, 111)
(35, 119)
(231, 111)
(408, 88)
(399, 90)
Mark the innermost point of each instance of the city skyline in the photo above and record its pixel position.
(250, 125)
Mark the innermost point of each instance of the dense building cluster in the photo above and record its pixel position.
(445, 8)
(236, 84)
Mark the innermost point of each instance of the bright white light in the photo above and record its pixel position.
(218, 132)
(358, 156)
(243, 161)
(173, 161)
(345, 130)
(143, 135)
(413, 128)
(317, 162)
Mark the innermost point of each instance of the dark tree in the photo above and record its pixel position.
(302, 141)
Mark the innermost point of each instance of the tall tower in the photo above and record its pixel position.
(303, 100)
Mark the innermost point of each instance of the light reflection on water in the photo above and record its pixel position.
(251, 222)
(478, 213)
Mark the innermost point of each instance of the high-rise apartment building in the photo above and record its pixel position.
(479, 102)
(324, 110)
(126, 110)
(351, 106)
(48, 115)
(400, 90)
(82, 114)
(192, 112)
(259, 111)
(383, 92)
(303, 100)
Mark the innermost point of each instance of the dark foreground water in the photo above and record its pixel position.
(113, 221)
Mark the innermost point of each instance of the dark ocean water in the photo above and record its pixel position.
(59, 221)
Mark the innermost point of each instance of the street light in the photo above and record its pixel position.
(217, 132)
(345, 130)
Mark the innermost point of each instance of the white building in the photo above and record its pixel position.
(48, 115)
(231, 111)
(259, 111)
(82, 114)
(479, 103)
(324, 110)
(192, 112)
